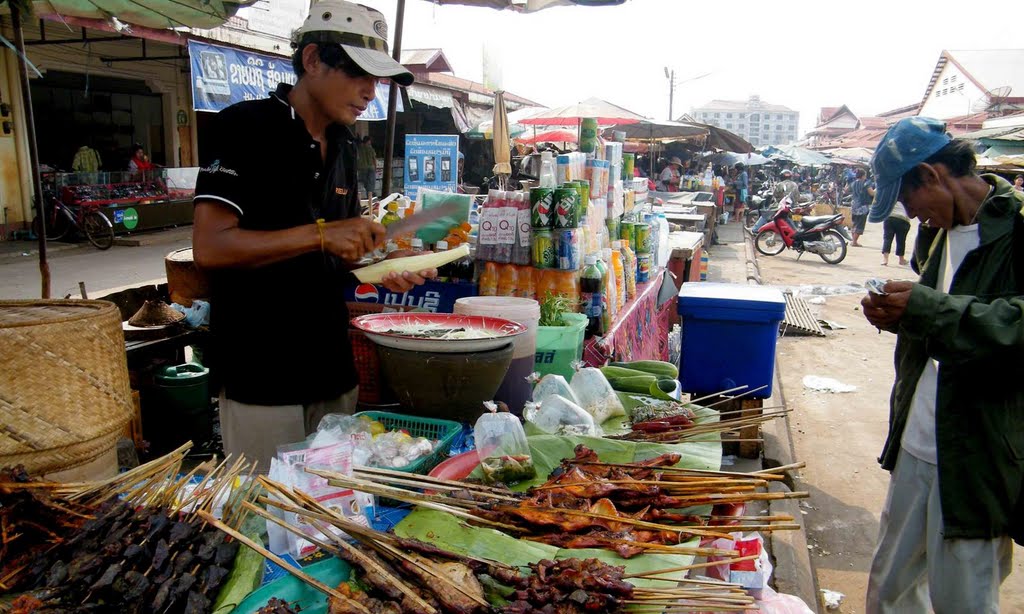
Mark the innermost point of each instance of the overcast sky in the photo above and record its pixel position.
(871, 55)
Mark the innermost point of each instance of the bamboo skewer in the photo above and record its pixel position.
(661, 572)
(298, 573)
(431, 479)
(718, 394)
(799, 465)
(733, 397)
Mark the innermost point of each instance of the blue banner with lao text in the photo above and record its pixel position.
(431, 161)
(222, 76)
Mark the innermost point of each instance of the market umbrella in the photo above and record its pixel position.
(122, 14)
(502, 153)
(549, 136)
(731, 158)
(658, 130)
(797, 155)
(179, 13)
(606, 113)
(485, 129)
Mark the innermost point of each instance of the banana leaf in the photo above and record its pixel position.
(448, 532)
(246, 572)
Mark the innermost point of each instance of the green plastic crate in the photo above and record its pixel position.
(442, 431)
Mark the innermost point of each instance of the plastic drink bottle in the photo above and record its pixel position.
(417, 245)
(391, 215)
(547, 170)
(508, 277)
(489, 280)
(567, 285)
(544, 284)
(629, 266)
(664, 250)
(443, 271)
(525, 282)
(611, 288)
(591, 291)
(620, 279)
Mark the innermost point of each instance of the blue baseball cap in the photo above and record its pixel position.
(909, 142)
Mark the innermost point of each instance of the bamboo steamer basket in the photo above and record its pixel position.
(185, 282)
(64, 391)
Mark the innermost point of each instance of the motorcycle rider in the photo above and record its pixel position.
(785, 188)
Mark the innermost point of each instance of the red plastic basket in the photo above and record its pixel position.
(364, 353)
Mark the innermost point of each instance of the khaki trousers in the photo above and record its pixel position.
(915, 569)
(257, 430)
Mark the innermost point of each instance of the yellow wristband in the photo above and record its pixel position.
(320, 223)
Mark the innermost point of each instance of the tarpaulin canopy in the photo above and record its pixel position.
(171, 14)
(606, 113)
(797, 155)
(731, 158)
(528, 6)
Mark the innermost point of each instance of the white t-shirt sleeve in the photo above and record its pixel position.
(919, 434)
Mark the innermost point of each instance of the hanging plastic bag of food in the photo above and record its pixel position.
(552, 384)
(596, 395)
(558, 415)
(502, 447)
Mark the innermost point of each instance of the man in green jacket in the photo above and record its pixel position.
(956, 426)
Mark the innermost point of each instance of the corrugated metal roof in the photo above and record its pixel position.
(433, 60)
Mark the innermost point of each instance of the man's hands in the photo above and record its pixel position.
(406, 280)
(353, 238)
(884, 311)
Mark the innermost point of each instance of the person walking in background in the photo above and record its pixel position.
(862, 194)
(1018, 183)
(742, 186)
(366, 164)
(896, 226)
(668, 180)
(955, 447)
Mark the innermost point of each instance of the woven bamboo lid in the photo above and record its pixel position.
(64, 390)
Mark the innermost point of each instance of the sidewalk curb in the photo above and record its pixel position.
(794, 571)
(32, 249)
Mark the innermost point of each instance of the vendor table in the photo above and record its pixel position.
(684, 263)
(639, 332)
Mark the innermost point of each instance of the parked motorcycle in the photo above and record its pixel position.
(822, 235)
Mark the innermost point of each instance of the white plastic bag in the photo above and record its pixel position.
(558, 415)
(596, 395)
(552, 384)
(502, 447)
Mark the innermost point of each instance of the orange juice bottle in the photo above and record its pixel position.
(544, 284)
(567, 284)
(489, 280)
(508, 278)
(525, 283)
(620, 279)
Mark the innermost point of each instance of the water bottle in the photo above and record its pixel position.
(547, 170)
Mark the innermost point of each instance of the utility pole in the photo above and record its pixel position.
(671, 75)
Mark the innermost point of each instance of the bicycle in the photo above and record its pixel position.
(85, 218)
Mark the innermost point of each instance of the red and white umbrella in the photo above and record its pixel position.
(548, 136)
(606, 113)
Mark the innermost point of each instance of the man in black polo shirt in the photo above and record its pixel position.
(277, 224)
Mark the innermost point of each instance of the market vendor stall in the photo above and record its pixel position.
(640, 332)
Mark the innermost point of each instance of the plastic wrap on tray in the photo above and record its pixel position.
(596, 395)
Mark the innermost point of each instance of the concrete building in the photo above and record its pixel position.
(965, 83)
(759, 122)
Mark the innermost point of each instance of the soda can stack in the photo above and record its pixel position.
(588, 135)
(628, 166)
(542, 207)
(543, 250)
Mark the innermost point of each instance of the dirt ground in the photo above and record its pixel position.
(840, 435)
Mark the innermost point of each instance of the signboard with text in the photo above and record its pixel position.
(432, 162)
(223, 76)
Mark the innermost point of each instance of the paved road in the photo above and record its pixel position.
(841, 435)
(117, 267)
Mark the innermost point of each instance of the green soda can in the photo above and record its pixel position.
(614, 231)
(543, 249)
(567, 207)
(584, 190)
(628, 165)
(642, 234)
(627, 233)
(542, 207)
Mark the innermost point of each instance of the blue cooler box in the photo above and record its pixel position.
(729, 333)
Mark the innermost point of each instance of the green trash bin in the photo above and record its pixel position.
(560, 346)
(184, 393)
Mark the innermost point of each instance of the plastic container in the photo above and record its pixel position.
(729, 335)
(502, 448)
(558, 347)
(515, 390)
(184, 400)
(442, 431)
